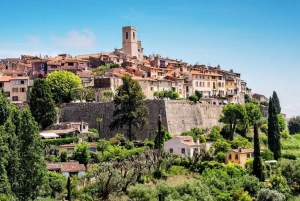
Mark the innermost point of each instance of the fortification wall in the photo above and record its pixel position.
(177, 116)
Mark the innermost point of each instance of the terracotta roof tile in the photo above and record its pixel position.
(84, 74)
(243, 150)
(5, 78)
(73, 166)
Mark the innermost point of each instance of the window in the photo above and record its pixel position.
(15, 98)
(151, 88)
(22, 82)
(180, 91)
(197, 83)
(248, 155)
(208, 84)
(169, 83)
(70, 151)
(236, 156)
(126, 35)
(229, 156)
(183, 150)
(42, 67)
(16, 82)
(133, 34)
(171, 150)
(71, 64)
(196, 76)
(14, 90)
(159, 82)
(22, 90)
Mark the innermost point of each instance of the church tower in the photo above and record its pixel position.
(129, 41)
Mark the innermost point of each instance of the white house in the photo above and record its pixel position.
(182, 145)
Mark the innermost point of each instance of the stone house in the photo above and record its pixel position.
(183, 146)
(67, 168)
(239, 156)
(69, 148)
(260, 97)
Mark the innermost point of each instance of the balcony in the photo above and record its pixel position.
(231, 93)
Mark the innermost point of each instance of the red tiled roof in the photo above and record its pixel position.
(84, 74)
(69, 130)
(243, 150)
(5, 78)
(73, 166)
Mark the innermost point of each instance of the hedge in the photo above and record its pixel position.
(59, 141)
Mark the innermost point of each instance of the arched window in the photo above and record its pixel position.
(126, 35)
(133, 36)
(196, 83)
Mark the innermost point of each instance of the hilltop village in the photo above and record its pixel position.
(154, 73)
(121, 125)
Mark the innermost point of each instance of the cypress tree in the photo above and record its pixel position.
(257, 165)
(273, 131)
(69, 189)
(276, 101)
(41, 103)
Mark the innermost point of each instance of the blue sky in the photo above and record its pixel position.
(260, 39)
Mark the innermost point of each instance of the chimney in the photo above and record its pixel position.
(240, 149)
(197, 141)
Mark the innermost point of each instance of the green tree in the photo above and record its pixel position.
(102, 145)
(107, 95)
(253, 116)
(41, 103)
(130, 109)
(81, 153)
(278, 182)
(257, 164)
(193, 98)
(62, 83)
(30, 152)
(4, 108)
(221, 146)
(294, 125)
(273, 131)
(232, 115)
(198, 94)
(165, 135)
(264, 128)
(271, 195)
(57, 182)
(64, 156)
(276, 102)
(281, 121)
(69, 195)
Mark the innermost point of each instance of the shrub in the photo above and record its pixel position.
(150, 143)
(64, 156)
(59, 141)
(289, 156)
(267, 154)
(142, 193)
(178, 170)
(264, 128)
(220, 157)
(225, 131)
(264, 140)
(193, 98)
(297, 136)
(240, 142)
(285, 134)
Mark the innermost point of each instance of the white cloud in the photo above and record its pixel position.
(76, 39)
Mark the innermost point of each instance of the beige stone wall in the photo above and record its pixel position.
(177, 116)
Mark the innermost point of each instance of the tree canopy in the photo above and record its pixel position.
(232, 115)
(41, 103)
(276, 102)
(81, 153)
(61, 84)
(273, 131)
(294, 125)
(130, 109)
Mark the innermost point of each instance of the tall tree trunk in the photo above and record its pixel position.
(257, 165)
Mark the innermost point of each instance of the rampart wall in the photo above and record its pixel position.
(177, 116)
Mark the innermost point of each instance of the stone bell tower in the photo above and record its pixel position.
(129, 41)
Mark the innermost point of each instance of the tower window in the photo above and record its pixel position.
(126, 35)
(133, 36)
